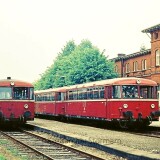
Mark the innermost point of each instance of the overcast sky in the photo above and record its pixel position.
(32, 32)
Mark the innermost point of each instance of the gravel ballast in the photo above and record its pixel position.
(134, 144)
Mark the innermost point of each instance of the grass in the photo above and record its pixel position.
(2, 157)
(8, 152)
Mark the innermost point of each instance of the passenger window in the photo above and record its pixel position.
(59, 96)
(75, 95)
(116, 92)
(89, 93)
(52, 96)
(70, 94)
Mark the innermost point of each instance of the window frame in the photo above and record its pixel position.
(144, 64)
(157, 57)
(127, 67)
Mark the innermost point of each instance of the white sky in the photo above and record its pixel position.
(32, 32)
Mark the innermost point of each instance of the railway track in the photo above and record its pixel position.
(37, 147)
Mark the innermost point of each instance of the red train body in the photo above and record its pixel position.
(127, 101)
(16, 101)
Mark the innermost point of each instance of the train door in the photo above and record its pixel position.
(113, 95)
(60, 104)
(108, 96)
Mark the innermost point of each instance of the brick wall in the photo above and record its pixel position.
(151, 71)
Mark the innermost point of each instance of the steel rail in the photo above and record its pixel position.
(75, 151)
(35, 150)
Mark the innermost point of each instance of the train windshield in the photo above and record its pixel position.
(133, 92)
(130, 91)
(5, 93)
(23, 93)
(147, 92)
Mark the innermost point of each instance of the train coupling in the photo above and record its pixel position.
(155, 114)
(128, 114)
(27, 114)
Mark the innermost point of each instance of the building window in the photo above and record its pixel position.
(155, 35)
(135, 66)
(144, 64)
(158, 58)
(127, 67)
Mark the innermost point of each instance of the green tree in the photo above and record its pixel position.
(52, 76)
(143, 48)
(88, 64)
(75, 65)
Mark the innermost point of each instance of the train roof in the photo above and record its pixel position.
(61, 89)
(117, 81)
(14, 82)
(107, 82)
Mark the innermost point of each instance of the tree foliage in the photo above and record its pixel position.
(143, 48)
(75, 65)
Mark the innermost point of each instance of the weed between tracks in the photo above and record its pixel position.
(8, 152)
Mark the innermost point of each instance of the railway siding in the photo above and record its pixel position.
(118, 143)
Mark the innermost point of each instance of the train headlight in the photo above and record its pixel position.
(125, 106)
(12, 83)
(152, 106)
(138, 81)
(26, 106)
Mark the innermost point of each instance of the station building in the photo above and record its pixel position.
(143, 64)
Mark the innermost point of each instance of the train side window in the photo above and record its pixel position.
(59, 96)
(75, 96)
(31, 93)
(116, 93)
(52, 96)
(79, 94)
(101, 92)
(70, 94)
(36, 97)
(62, 96)
(90, 93)
(96, 93)
(40, 97)
(146, 92)
(45, 97)
(5, 93)
(48, 97)
(82, 93)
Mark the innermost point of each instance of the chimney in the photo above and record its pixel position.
(121, 54)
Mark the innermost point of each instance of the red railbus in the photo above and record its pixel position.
(51, 102)
(127, 101)
(16, 101)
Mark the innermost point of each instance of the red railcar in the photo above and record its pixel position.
(50, 102)
(16, 101)
(127, 101)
